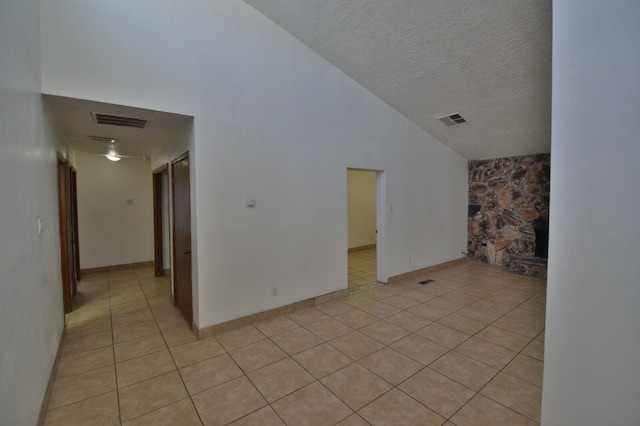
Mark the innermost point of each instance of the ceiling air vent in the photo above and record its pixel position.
(101, 139)
(452, 119)
(117, 120)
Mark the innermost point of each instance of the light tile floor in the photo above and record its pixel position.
(464, 350)
(362, 269)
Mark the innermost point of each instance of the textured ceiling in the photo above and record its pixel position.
(488, 60)
(73, 119)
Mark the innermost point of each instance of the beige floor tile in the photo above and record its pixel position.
(322, 360)
(353, 420)
(297, 340)
(492, 305)
(481, 411)
(178, 336)
(235, 339)
(135, 331)
(358, 300)
(280, 379)
(307, 316)
(535, 349)
(419, 295)
(145, 367)
(89, 327)
(198, 350)
(445, 336)
(128, 307)
(334, 307)
(84, 361)
(82, 386)
(428, 312)
(356, 318)
(228, 402)
(209, 373)
(392, 366)
(356, 345)
(526, 368)
(171, 321)
(447, 303)
(263, 417)
(164, 309)
(181, 413)
(466, 371)
(102, 409)
(419, 349)
(276, 326)
(89, 342)
(380, 309)
(150, 395)
(329, 329)
(257, 355)
(313, 405)
(384, 332)
(479, 314)
(516, 394)
(486, 352)
(132, 318)
(355, 385)
(408, 321)
(396, 408)
(519, 326)
(401, 302)
(464, 324)
(138, 347)
(504, 338)
(439, 393)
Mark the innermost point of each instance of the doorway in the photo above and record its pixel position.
(365, 228)
(180, 184)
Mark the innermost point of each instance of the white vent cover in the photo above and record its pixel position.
(101, 139)
(452, 119)
(117, 120)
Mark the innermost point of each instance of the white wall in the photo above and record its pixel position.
(113, 232)
(31, 312)
(592, 373)
(273, 121)
(361, 207)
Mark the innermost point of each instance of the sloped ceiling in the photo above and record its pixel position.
(488, 60)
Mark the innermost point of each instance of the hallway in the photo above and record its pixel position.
(464, 350)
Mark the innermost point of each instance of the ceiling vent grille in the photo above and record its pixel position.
(117, 120)
(452, 119)
(101, 139)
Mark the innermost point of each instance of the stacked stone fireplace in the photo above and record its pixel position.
(509, 213)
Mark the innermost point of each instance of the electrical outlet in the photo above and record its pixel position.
(274, 291)
(409, 260)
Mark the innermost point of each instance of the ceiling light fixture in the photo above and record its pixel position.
(113, 157)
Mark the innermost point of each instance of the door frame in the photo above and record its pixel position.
(176, 288)
(158, 231)
(381, 221)
(65, 210)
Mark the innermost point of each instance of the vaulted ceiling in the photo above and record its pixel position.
(488, 60)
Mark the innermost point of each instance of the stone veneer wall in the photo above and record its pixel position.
(507, 197)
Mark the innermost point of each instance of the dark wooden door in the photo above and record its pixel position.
(158, 230)
(66, 251)
(182, 237)
(75, 239)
